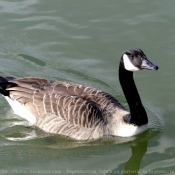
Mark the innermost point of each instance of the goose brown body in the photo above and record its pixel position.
(67, 108)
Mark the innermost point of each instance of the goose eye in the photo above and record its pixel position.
(132, 56)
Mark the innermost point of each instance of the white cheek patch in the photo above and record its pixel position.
(128, 65)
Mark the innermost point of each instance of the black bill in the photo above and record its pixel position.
(146, 64)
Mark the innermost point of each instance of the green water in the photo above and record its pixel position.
(82, 41)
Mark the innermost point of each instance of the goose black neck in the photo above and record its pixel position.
(138, 114)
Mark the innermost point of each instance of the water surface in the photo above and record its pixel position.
(82, 41)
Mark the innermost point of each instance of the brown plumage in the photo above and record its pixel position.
(66, 108)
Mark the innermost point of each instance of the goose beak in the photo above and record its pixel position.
(146, 64)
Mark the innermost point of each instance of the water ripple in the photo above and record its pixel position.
(33, 59)
(17, 7)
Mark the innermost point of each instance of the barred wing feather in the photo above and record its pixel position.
(65, 108)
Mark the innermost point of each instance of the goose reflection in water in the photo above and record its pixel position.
(132, 166)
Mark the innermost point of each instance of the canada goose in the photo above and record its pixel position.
(79, 111)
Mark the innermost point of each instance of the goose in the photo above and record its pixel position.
(78, 111)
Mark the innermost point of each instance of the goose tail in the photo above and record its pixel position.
(4, 84)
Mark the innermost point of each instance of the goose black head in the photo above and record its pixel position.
(135, 59)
